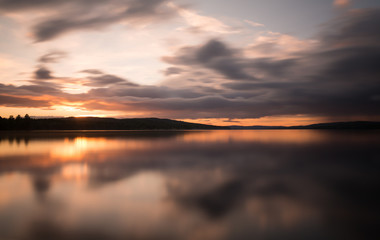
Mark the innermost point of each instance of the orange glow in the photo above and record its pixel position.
(31, 97)
(263, 121)
(77, 172)
(296, 120)
(341, 3)
(267, 136)
(51, 152)
(70, 150)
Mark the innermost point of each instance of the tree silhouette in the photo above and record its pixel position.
(90, 123)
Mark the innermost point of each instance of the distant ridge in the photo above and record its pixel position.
(334, 125)
(94, 123)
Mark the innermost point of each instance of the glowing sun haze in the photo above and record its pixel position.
(284, 62)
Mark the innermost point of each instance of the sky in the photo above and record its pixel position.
(241, 62)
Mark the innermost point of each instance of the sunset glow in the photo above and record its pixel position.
(189, 119)
(213, 62)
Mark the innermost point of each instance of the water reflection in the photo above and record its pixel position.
(278, 184)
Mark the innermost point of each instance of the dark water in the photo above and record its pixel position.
(268, 184)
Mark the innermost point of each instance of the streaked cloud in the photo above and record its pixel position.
(92, 71)
(12, 101)
(213, 55)
(278, 45)
(60, 17)
(254, 24)
(52, 57)
(106, 79)
(199, 23)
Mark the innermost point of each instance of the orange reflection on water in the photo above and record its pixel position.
(55, 152)
(74, 149)
(273, 136)
(76, 172)
(68, 149)
(189, 185)
(13, 186)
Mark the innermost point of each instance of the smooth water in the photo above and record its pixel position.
(246, 184)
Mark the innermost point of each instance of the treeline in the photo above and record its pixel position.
(18, 123)
(93, 123)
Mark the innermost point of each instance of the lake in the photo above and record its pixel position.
(221, 184)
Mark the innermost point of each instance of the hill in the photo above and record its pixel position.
(341, 125)
(93, 123)
(335, 125)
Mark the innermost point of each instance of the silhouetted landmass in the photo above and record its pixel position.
(93, 123)
(335, 125)
(342, 125)
(258, 127)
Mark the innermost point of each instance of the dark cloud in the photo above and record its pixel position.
(92, 71)
(145, 92)
(172, 71)
(107, 79)
(339, 77)
(72, 15)
(273, 68)
(198, 107)
(52, 57)
(11, 101)
(30, 90)
(212, 50)
(39, 89)
(43, 73)
(353, 64)
(55, 27)
(359, 26)
(214, 55)
(17, 5)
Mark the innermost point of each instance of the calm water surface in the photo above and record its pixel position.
(266, 184)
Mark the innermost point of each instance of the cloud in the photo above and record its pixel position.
(214, 55)
(335, 76)
(106, 79)
(277, 45)
(43, 73)
(11, 101)
(52, 57)
(145, 92)
(92, 71)
(199, 23)
(61, 17)
(172, 71)
(55, 27)
(357, 28)
(254, 24)
(28, 90)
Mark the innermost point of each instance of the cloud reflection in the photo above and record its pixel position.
(195, 184)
